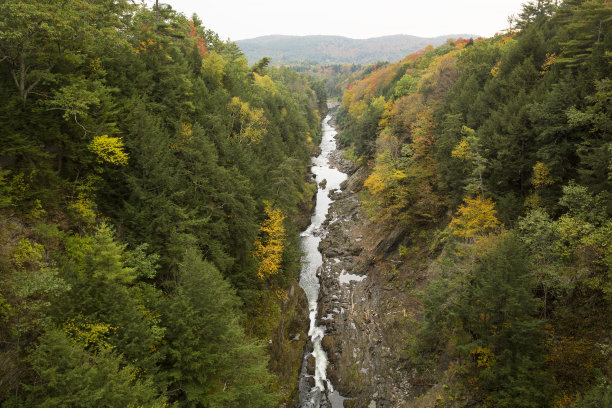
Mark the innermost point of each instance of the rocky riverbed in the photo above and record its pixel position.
(364, 302)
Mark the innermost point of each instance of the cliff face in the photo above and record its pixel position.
(287, 345)
(364, 303)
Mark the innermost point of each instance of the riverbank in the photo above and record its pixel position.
(363, 302)
(366, 309)
(314, 386)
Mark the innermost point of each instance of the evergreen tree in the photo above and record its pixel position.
(68, 375)
(210, 361)
(500, 330)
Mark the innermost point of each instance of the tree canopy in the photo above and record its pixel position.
(138, 152)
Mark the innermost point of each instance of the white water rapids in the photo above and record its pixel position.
(313, 260)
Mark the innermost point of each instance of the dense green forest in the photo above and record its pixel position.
(495, 157)
(152, 185)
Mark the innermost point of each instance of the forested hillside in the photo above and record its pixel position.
(494, 158)
(151, 188)
(153, 184)
(331, 49)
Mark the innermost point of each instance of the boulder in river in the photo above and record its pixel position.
(310, 364)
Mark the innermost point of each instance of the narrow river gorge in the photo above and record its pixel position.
(315, 386)
(355, 303)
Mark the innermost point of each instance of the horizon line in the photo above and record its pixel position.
(367, 38)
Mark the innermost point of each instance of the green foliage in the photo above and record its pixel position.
(491, 314)
(586, 35)
(468, 151)
(594, 150)
(129, 135)
(598, 396)
(70, 376)
(510, 131)
(499, 312)
(206, 342)
(104, 258)
(362, 132)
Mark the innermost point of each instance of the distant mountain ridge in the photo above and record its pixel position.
(330, 49)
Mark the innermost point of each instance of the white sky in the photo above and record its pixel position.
(240, 19)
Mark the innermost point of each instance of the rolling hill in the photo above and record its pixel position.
(328, 49)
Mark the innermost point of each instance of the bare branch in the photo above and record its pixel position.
(33, 84)
(14, 75)
(77, 122)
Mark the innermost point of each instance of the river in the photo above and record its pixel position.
(319, 393)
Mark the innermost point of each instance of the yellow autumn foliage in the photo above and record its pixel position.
(550, 61)
(86, 333)
(214, 67)
(386, 115)
(541, 175)
(28, 253)
(83, 208)
(347, 99)
(247, 124)
(265, 83)
(476, 217)
(383, 175)
(484, 356)
(108, 150)
(495, 70)
(186, 134)
(462, 151)
(358, 108)
(270, 244)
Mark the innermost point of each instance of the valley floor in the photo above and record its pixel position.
(364, 303)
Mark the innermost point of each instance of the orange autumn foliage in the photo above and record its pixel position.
(369, 87)
(193, 33)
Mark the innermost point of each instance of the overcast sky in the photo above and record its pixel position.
(240, 19)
